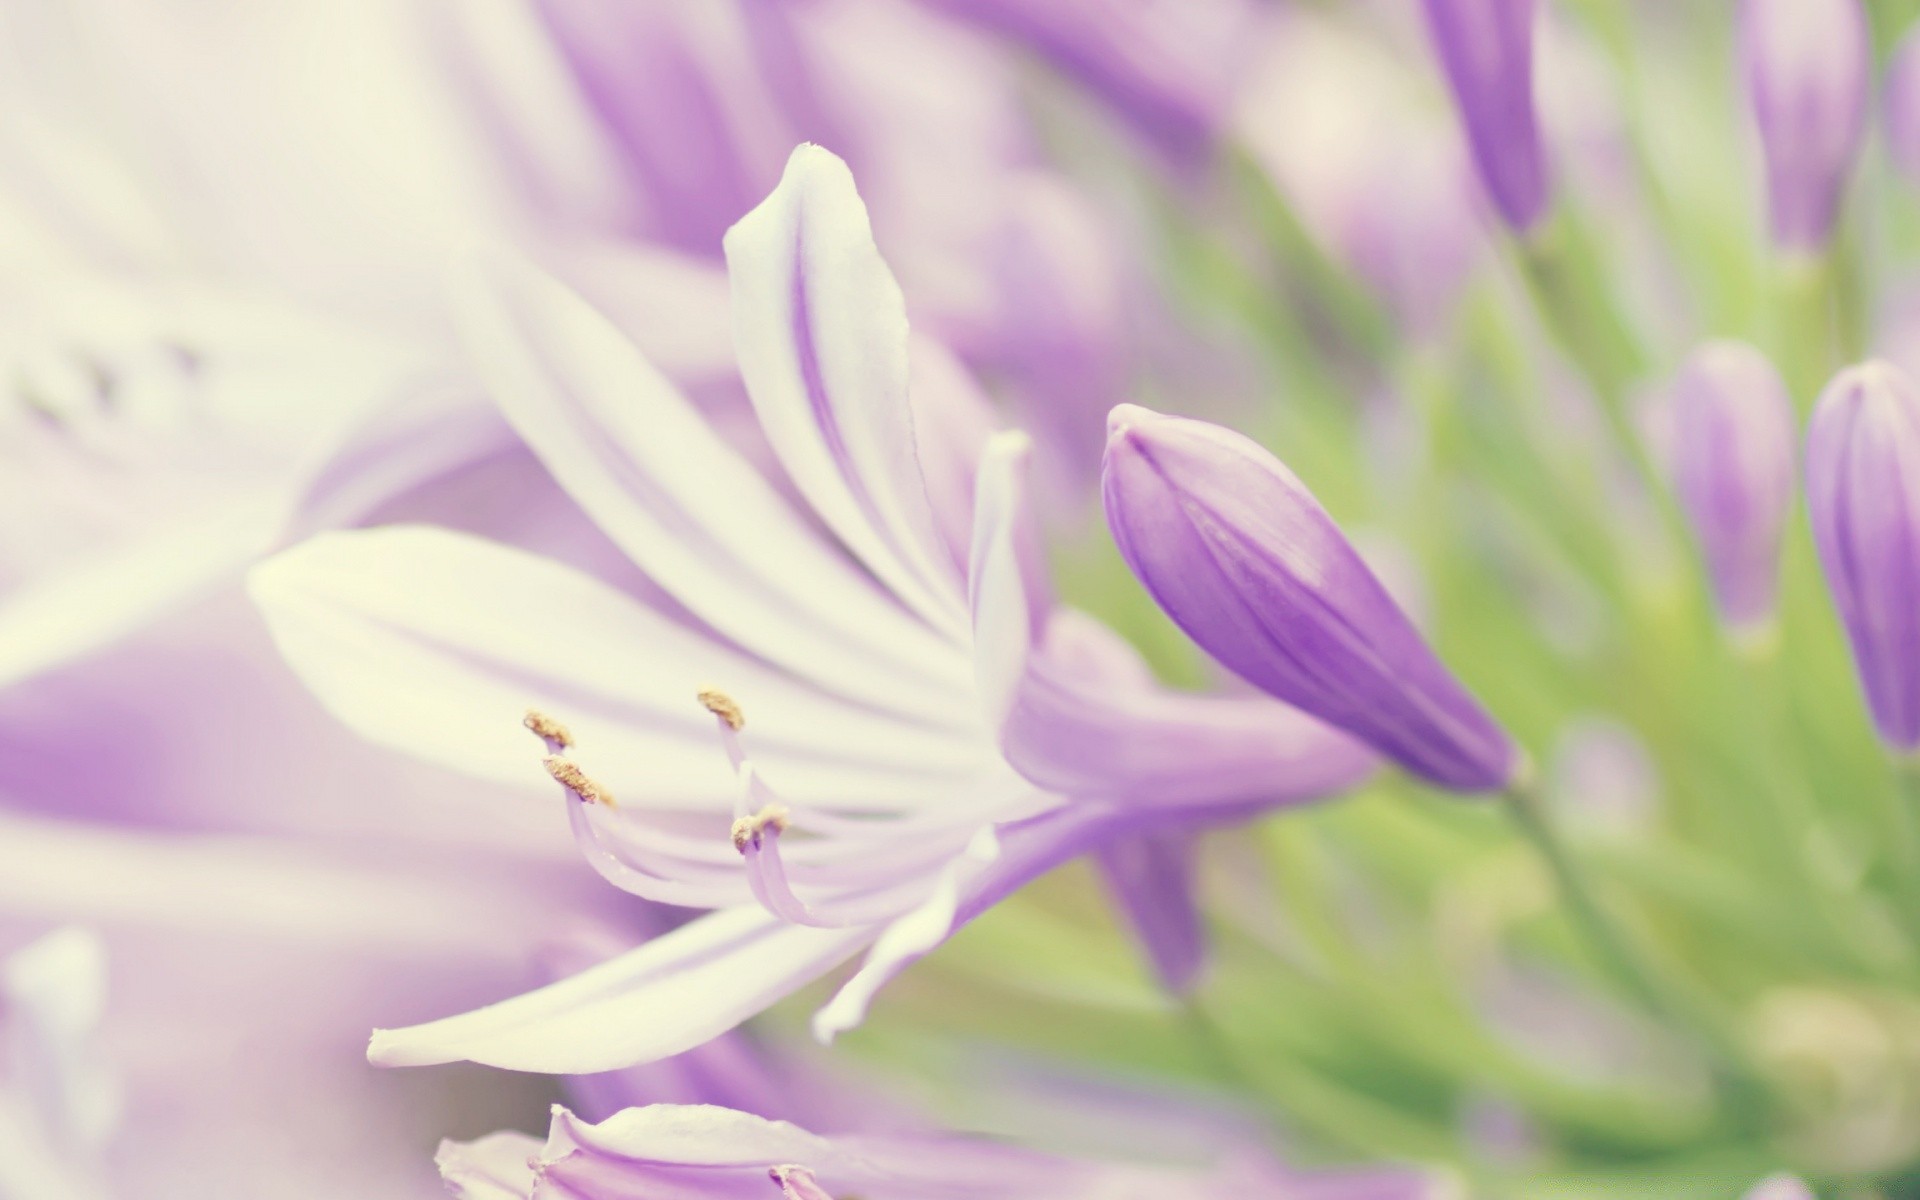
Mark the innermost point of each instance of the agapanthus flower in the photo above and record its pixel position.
(1809, 67)
(1486, 48)
(718, 1153)
(1863, 498)
(1733, 472)
(1244, 559)
(910, 728)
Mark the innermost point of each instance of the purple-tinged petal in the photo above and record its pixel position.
(694, 515)
(953, 420)
(821, 330)
(669, 995)
(1780, 1187)
(1808, 66)
(1863, 499)
(1238, 552)
(1900, 105)
(1733, 472)
(1089, 721)
(496, 1167)
(1486, 48)
(1151, 878)
(436, 644)
(1168, 70)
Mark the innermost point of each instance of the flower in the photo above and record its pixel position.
(671, 1149)
(1733, 472)
(911, 728)
(1808, 67)
(1486, 48)
(1863, 498)
(1243, 558)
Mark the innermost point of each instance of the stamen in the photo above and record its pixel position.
(553, 733)
(721, 705)
(568, 775)
(747, 830)
(797, 1183)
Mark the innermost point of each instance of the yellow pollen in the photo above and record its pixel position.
(721, 705)
(747, 830)
(571, 777)
(548, 729)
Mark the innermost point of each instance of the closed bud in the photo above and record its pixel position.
(1243, 558)
(1807, 65)
(1486, 49)
(1733, 471)
(1863, 497)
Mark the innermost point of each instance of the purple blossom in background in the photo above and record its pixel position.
(1378, 175)
(1808, 67)
(1863, 497)
(1238, 552)
(669, 1150)
(910, 730)
(1486, 48)
(1900, 105)
(1733, 471)
(1167, 69)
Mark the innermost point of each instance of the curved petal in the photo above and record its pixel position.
(1151, 879)
(436, 643)
(690, 511)
(999, 583)
(496, 1167)
(669, 995)
(821, 331)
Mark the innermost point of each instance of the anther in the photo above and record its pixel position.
(568, 775)
(747, 830)
(548, 730)
(721, 705)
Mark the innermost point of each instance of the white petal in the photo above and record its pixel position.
(669, 995)
(436, 643)
(821, 331)
(1003, 611)
(699, 519)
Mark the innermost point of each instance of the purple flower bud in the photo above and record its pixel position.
(1807, 65)
(1486, 47)
(1733, 470)
(1242, 557)
(1900, 105)
(1863, 496)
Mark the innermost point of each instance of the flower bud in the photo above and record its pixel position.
(1807, 66)
(1863, 498)
(1733, 471)
(1243, 558)
(1486, 48)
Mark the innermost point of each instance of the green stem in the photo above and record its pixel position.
(1627, 962)
(1906, 842)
